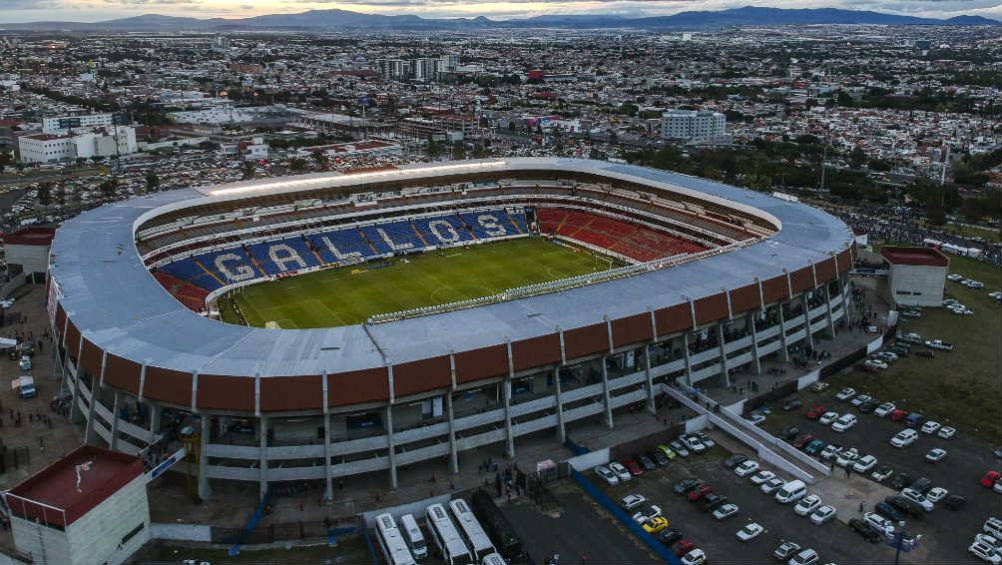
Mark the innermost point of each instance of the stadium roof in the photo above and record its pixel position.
(918, 256)
(117, 305)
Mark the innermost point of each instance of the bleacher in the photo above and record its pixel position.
(186, 293)
(339, 245)
(631, 240)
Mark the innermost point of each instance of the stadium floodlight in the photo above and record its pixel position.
(305, 183)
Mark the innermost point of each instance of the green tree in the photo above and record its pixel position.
(321, 159)
(45, 193)
(152, 182)
(434, 149)
(297, 164)
(109, 188)
(247, 170)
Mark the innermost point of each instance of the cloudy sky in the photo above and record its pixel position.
(95, 10)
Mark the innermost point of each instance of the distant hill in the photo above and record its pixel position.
(334, 20)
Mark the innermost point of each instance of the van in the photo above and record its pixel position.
(413, 537)
(493, 559)
(791, 492)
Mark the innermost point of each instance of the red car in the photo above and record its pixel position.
(684, 546)
(898, 415)
(802, 441)
(699, 492)
(988, 481)
(816, 412)
(635, 469)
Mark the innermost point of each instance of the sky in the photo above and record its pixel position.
(97, 10)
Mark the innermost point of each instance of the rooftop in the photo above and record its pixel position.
(60, 494)
(920, 256)
(30, 236)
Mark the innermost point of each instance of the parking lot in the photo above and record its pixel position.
(946, 534)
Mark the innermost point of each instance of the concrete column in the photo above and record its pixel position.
(90, 435)
(509, 436)
(828, 307)
(807, 321)
(113, 444)
(688, 358)
(262, 455)
(561, 429)
(155, 415)
(204, 490)
(756, 362)
(328, 469)
(606, 398)
(391, 450)
(650, 380)
(784, 352)
(453, 454)
(724, 372)
(75, 407)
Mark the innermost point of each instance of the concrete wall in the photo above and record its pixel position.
(416, 508)
(591, 459)
(45, 545)
(181, 532)
(97, 536)
(914, 285)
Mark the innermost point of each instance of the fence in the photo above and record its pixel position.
(598, 496)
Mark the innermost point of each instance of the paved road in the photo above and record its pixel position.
(946, 534)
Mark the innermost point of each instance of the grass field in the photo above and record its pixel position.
(352, 294)
(963, 387)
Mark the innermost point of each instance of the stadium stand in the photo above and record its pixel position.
(193, 297)
(632, 240)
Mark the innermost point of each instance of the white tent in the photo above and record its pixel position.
(7, 343)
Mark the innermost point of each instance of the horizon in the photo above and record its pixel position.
(89, 11)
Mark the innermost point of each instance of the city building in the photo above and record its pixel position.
(62, 124)
(917, 276)
(27, 252)
(98, 142)
(699, 126)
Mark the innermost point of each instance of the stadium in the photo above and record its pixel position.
(330, 325)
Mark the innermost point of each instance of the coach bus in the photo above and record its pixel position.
(392, 542)
(450, 544)
(506, 541)
(473, 533)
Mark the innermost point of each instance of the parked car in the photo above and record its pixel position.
(631, 501)
(846, 393)
(684, 546)
(792, 404)
(635, 469)
(735, 460)
(655, 525)
(789, 432)
(882, 473)
(707, 440)
(844, 423)
(859, 399)
(869, 406)
(712, 501)
(931, 427)
(918, 498)
(939, 344)
(879, 522)
(935, 455)
(678, 448)
(693, 442)
(884, 409)
(755, 418)
(807, 505)
(815, 412)
(937, 494)
(889, 511)
(762, 477)
(911, 337)
(985, 552)
(847, 457)
(725, 511)
(946, 432)
(699, 492)
(669, 536)
(819, 386)
(830, 450)
(647, 513)
(659, 457)
(954, 502)
(647, 463)
(814, 447)
(901, 480)
(786, 550)
(904, 438)
(667, 451)
(802, 440)
(772, 485)
(990, 478)
(685, 485)
(897, 415)
(746, 468)
(864, 464)
(607, 475)
(922, 485)
(805, 557)
(694, 557)
(750, 531)
(828, 417)
(822, 514)
(622, 473)
(905, 506)
(914, 420)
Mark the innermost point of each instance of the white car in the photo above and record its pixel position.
(911, 337)
(992, 527)
(985, 552)
(827, 418)
(830, 450)
(931, 427)
(935, 455)
(847, 457)
(805, 557)
(846, 393)
(884, 409)
(936, 494)
(879, 522)
(756, 418)
(904, 438)
(954, 277)
(807, 504)
(772, 485)
(861, 399)
(725, 511)
(750, 531)
(762, 476)
(649, 513)
(606, 475)
(622, 473)
(864, 464)
(918, 498)
(632, 501)
(844, 422)
(693, 442)
(876, 364)
(822, 514)
(946, 432)
(746, 468)
(695, 557)
(939, 344)
(990, 540)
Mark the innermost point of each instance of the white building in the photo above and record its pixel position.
(61, 124)
(88, 507)
(693, 125)
(98, 142)
(917, 276)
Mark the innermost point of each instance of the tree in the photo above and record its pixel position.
(297, 164)
(152, 182)
(434, 149)
(108, 188)
(321, 159)
(45, 193)
(247, 170)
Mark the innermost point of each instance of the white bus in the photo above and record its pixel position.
(473, 533)
(450, 543)
(413, 537)
(392, 542)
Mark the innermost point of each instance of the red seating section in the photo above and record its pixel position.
(193, 297)
(634, 241)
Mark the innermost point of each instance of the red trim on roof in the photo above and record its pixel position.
(31, 236)
(920, 256)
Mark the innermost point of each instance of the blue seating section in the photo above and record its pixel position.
(343, 245)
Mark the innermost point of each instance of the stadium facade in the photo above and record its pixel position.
(275, 405)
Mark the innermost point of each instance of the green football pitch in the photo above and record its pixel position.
(350, 295)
